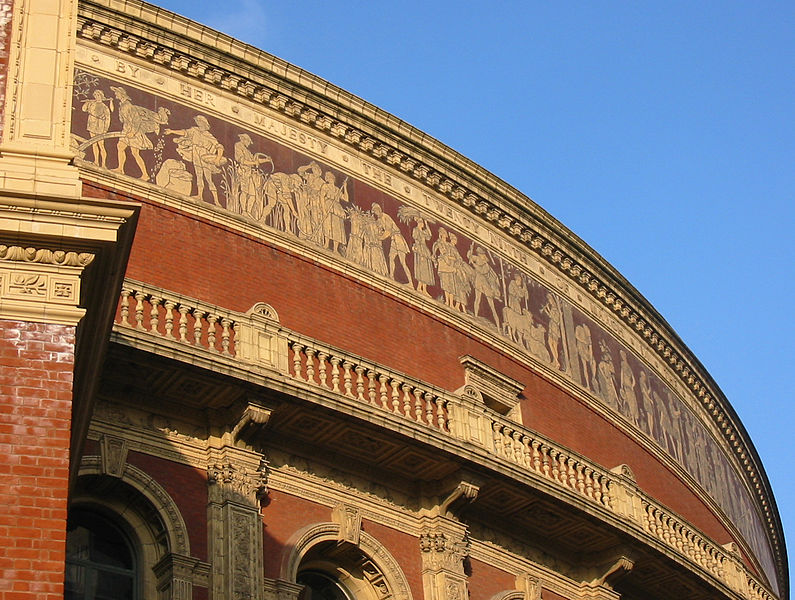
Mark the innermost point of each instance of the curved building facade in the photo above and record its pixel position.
(265, 340)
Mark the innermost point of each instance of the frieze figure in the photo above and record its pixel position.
(310, 221)
(627, 394)
(423, 259)
(513, 313)
(199, 147)
(555, 329)
(398, 248)
(280, 209)
(606, 374)
(98, 125)
(584, 345)
(485, 281)
(249, 179)
(137, 122)
(331, 199)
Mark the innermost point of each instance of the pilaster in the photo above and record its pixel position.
(237, 479)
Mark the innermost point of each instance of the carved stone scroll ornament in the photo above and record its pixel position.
(45, 256)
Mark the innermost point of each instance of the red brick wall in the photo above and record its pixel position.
(486, 581)
(187, 487)
(36, 364)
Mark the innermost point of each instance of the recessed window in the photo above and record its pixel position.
(100, 562)
(321, 586)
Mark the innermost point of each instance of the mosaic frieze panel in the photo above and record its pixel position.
(190, 153)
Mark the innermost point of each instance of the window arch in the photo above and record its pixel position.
(137, 507)
(101, 559)
(341, 570)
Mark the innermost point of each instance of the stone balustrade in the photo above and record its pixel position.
(256, 340)
(174, 317)
(368, 384)
(523, 447)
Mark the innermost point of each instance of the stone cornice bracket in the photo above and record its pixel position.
(464, 494)
(251, 425)
(611, 571)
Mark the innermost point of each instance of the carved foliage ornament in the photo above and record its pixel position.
(45, 256)
(232, 479)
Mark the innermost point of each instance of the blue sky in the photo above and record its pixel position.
(663, 134)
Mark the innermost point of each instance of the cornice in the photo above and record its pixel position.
(215, 60)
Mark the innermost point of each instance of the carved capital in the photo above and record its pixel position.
(230, 481)
(39, 284)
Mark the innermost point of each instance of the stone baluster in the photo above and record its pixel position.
(580, 474)
(211, 320)
(536, 456)
(371, 377)
(429, 408)
(418, 405)
(154, 314)
(310, 364)
(588, 477)
(335, 374)
(169, 317)
(226, 333)
(382, 379)
(139, 310)
(553, 457)
(360, 383)
(182, 326)
(517, 447)
(322, 357)
(394, 384)
(198, 319)
(125, 307)
(347, 379)
(406, 400)
(527, 456)
(497, 437)
(440, 417)
(572, 473)
(297, 350)
(545, 460)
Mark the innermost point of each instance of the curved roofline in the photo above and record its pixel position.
(480, 192)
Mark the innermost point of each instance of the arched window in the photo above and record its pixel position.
(322, 586)
(100, 559)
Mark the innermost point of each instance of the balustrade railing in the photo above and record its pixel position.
(256, 340)
(529, 450)
(174, 317)
(368, 384)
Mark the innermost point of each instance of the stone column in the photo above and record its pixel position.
(237, 478)
(444, 545)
